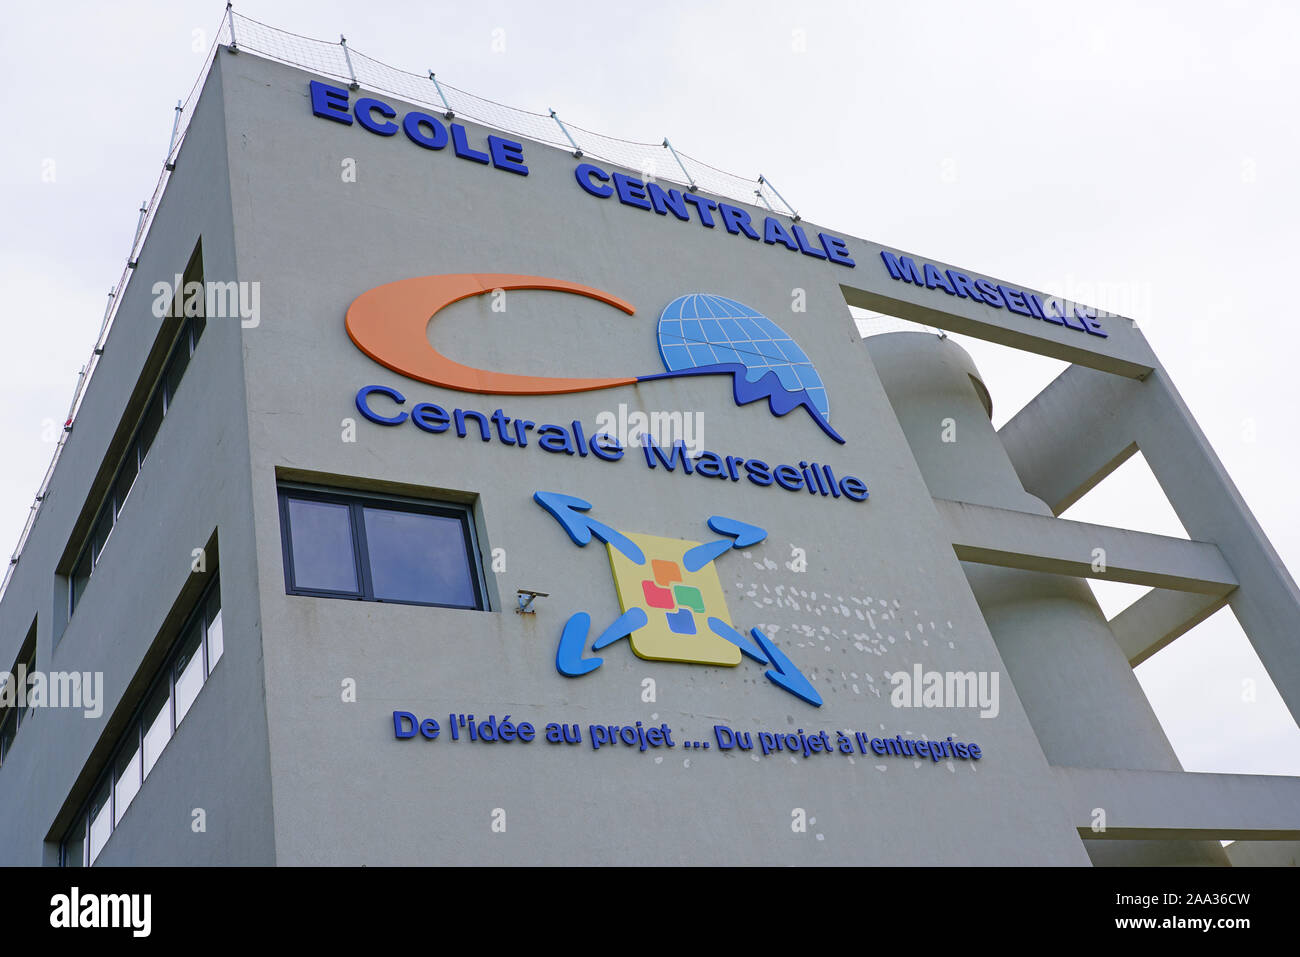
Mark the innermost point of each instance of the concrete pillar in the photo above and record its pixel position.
(1074, 680)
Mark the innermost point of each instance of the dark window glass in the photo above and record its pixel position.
(188, 670)
(80, 575)
(197, 325)
(30, 670)
(149, 426)
(417, 557)
(74, 845)
(322, 546)
(125, 479)
(8, 728)
(379, 549)
(176, 367)
(99, 536)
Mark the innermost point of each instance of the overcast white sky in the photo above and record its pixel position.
(1139, 156)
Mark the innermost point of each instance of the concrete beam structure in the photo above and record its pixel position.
(1176, 805)
(1086, 422)
(1124, 352)
(1072, 435)
(1025, 568)
(1011, 539)
(1264, 853)
(1158, 617)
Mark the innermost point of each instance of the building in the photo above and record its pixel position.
(362, 588)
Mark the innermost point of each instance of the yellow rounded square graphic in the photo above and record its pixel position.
(677, 603)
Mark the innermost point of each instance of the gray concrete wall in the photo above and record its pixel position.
(194, 482)
(346, 792)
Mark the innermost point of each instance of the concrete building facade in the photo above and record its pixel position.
(329, 527)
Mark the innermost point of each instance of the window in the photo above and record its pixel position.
(133, 459)
(17, 711)
(169, 698)
(379, 548)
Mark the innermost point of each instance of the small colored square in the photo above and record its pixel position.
(665, 572)
(657, 597)
(689, 596)
(681, 622)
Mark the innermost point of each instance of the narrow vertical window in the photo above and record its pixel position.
(188, 670)
(323, 546)
(127, 775)
(101, 822)
(216, 639)
(157, 724)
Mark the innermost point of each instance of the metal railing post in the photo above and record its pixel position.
(449, 114)
(768, 183)
(577, 153)
(230, 15)
(171, 145)
(108, 309)
(343, 42)
(139, 227)
(689, 178)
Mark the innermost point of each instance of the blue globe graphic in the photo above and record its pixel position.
(699, 330)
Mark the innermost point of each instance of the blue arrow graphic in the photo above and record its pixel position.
(568, 511)
(784, 673)
(623, 625)
(568, 656)
(743, 536)
(723, 630)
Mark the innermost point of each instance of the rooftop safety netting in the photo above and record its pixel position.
(343, 62)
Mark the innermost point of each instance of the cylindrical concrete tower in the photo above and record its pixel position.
(1079, 691)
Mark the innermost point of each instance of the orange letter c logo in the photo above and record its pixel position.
(390, 324)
